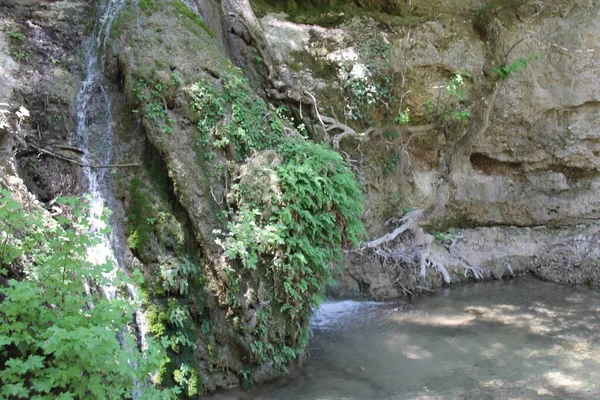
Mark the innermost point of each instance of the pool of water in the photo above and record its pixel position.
(519, 339)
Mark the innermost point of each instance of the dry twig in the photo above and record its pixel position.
(81, 164)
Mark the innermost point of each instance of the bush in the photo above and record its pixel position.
(291, 223)
(58, 340)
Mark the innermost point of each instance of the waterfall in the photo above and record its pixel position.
(191, 5)
(95, 138)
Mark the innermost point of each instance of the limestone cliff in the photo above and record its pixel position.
(518, 183)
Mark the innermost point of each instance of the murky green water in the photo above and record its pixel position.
(520, 339)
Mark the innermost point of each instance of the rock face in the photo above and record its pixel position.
(40, 63)
(520, 181)
(537, 163)
(205, 221)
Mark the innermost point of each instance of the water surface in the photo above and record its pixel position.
(520, 339)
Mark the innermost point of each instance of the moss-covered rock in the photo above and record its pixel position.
(230, 319)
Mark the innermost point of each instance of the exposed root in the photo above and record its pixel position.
(429, 262)
(508, 266)
(475, 270)
(332, 125)
(314, 100)
(405, 253)
(408, 223)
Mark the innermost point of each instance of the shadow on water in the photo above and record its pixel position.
(521, 339)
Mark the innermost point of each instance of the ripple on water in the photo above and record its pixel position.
(336, 315)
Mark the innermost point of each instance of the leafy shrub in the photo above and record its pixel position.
(58, 340)
(513, 68)
(247, 128)
(293, 231)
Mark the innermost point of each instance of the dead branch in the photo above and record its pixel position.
(398, 282)
(81, 164)
(408, 222)
(69, 148)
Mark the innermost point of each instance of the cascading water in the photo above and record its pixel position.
(94, 137)
(191, 5)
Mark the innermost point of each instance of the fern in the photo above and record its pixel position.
(295, 238)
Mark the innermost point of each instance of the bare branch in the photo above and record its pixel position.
(69, 148)
(409, 222)
(79, 163)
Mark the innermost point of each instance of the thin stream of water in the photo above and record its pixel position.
(95, 138)
(94, 127)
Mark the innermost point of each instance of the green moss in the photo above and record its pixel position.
(190, 18)
(123, 20)
(147, 219)
(169, 231)
(319, 67)
(149, 7)
(178, 8)
(138, 214)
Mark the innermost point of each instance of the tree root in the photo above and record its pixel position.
(332, 125)
(429, 262)
(476, 270)
(405, 253)
(408, 223)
